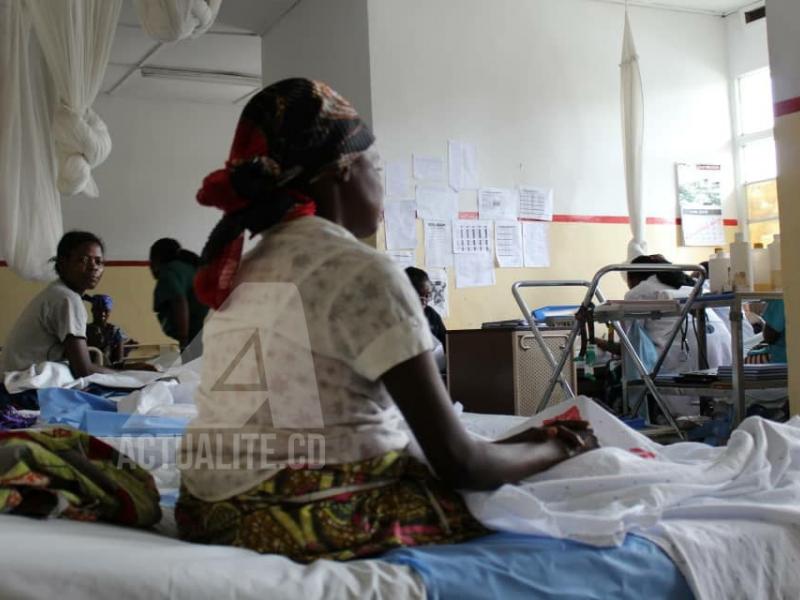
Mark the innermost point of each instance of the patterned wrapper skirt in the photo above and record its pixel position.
(338, 512)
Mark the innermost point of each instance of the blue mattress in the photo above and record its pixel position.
(511, 566)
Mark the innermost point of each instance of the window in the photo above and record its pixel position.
(756, 150)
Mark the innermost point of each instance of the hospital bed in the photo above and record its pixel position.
(67, 559)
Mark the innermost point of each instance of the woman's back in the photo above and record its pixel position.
(316, 317)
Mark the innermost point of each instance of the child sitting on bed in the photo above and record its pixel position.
(345, 380)
(105, 336)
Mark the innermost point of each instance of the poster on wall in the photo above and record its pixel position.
(700, 201)
(439, 300)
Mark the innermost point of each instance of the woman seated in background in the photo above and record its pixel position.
(302, 174)
(103, 335)
(179, 312)
(424, 288)
(53, 325)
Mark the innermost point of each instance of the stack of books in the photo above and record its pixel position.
(765, 372)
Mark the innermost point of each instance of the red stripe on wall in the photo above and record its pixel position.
(787, 107)
(606, 219)
(469, 215)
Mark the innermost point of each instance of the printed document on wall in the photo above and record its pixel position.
(398, 183)
(402, 258)
(498, 204)
(428, 168)
(400, 221)
(536, 243)
(474, 270)
(700, 200)
(439, 298)
(438, 243)
(508, 243)
(536, 203)
(472, 237)
(436, 202)
(463, 163)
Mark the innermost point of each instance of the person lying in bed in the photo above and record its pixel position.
(53, 325)
(301, 173)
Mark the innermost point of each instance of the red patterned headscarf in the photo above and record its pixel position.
(288, 135)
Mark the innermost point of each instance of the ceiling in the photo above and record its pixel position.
(142, 67)
(714, 7)
(233, 46)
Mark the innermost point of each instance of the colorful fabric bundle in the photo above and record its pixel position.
(65, 472)
(339, 512)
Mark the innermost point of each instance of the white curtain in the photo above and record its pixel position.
(173, 20)
(30, 205)
(75, 37)
(632, 102)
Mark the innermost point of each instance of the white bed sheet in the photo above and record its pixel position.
(66, 559)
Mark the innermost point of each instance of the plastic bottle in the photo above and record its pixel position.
(719, 268)
(776, 276)
(591, 357)
(762, 270)
(741, 265)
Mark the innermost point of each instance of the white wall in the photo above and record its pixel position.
(783, 20)
(536, 82)
(161, 152)
(747, 45)
(326, 40)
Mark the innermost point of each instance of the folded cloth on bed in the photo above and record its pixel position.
(512, 566)
(64, 472)
(633, 484)
(56, 374)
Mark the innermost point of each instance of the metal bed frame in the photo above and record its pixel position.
(592, 292)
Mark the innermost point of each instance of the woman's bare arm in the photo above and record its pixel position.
(458, 459)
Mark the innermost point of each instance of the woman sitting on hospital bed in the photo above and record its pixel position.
(53, 325)
(315, 342)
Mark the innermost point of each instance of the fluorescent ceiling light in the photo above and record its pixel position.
(200, 75)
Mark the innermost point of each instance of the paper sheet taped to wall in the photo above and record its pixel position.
(472, 237)
(536, 243)
(428, 168)
(438, 243)
(474, 270)
(402, 258)
(536, 203)
(508, 243)
(498, 203)
(436, 202)
(400, 221)
(398, 183)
